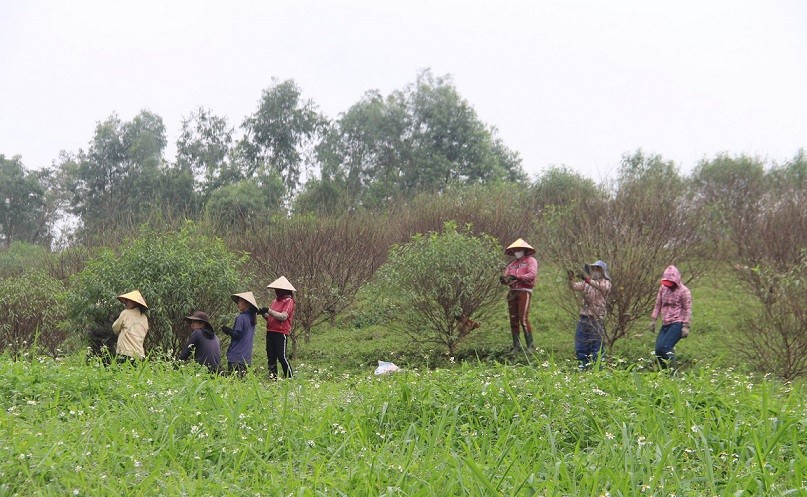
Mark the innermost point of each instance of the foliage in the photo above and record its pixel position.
(32, 313)
(19, 256)
(72, 428)
(22, 204)
(424, 138)
(240, 205)
(326, 259)
(279, 136)
(177, 273)
(500, 210)
(203, 149)
(428, 283)
(561, 186)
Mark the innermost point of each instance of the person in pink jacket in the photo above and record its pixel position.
(674, 304)
(520, 275)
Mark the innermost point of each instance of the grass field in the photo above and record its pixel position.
(496, 425)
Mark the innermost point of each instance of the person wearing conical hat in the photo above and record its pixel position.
(519, 276)
(279, 316)
(242, 334)
(590, 333)
(203, 343)
(131, 327)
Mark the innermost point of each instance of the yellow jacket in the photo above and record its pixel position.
(131, 328)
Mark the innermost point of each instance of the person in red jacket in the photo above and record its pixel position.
(520, 275)
(279, 317)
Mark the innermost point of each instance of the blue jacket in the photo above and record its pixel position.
(242, 337)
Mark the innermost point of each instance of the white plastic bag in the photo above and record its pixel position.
(386, 367)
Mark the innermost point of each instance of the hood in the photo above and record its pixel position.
(601, 264)
(208, 332)
(672, 274)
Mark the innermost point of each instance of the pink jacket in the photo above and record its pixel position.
(674, 305)
(526, 270)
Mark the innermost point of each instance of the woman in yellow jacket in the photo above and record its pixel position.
(131, 327)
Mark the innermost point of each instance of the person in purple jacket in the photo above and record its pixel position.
(674, 305)
(242, 334)
(203, 343)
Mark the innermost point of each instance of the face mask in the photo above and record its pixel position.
(518, 254)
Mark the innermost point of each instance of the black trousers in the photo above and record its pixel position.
(276, 351)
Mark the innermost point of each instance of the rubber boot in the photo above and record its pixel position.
(528, 337)
(516, 343)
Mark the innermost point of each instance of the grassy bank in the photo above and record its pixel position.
(70, 428)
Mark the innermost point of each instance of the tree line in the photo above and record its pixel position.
(286, 155)
(324, 202)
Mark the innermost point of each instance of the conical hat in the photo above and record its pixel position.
(248, 296)
(281, 284)
(134, 297)
(520, 243)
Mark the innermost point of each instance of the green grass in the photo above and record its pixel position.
(73, 428)
(487, 423)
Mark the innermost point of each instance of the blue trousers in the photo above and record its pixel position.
(668, 336)
(588, 341)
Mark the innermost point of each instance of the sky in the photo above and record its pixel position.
(574, 83)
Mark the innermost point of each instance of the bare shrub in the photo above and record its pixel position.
(326, 259)
(772, 258)
(775, 337)
(645, 225)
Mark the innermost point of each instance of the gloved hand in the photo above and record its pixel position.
(503, 280)
(226, 330)
(570, 274)
(512, 278)
(262, 311)
(652, 326)
(685, 331)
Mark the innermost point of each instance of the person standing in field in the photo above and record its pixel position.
(590, 334)
(131, 328)
(279, 316)
(203, 343)
(242, 334)
(520, 275)
(674, 304)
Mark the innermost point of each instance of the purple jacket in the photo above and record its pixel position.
(674, 304)
(205, 347)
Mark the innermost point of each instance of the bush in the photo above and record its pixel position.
(32, 313)
(177, 273)
(429, 282)
(774, 335)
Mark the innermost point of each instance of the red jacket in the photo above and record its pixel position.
(526, 270)
(285, 304)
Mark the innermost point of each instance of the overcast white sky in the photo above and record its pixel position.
(565, 82)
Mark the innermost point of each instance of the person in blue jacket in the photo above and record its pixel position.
(242, 334)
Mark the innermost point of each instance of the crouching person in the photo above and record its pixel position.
(203, 343)
(589, 337)
(131, 328)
